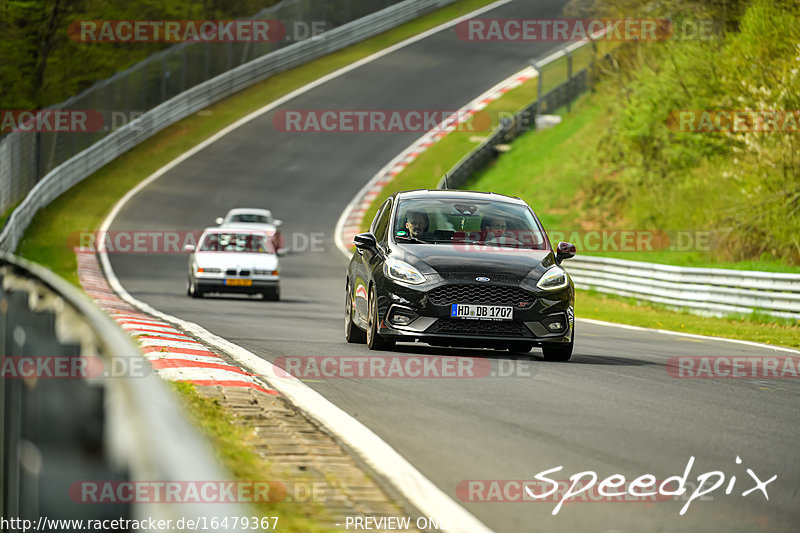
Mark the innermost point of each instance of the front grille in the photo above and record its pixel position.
(482, 294)
(487, 328)
(244, 272)
(231, 272)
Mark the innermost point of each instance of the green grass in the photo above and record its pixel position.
(83, 207)
(230, 442)
(4, 216)
(754, 327)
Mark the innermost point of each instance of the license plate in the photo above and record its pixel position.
(239, 282)
(482, 312)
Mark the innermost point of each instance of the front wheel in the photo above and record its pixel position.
(352, 333)
(272, 295)
(558, 351)
(374, 340)
(191, 288)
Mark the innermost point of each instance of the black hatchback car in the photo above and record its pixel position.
(459, 268)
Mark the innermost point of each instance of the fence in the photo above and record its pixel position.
(170, 86)
(708, 291)
(118, 423)
(508, 130)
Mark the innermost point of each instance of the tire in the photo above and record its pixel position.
(192, 290)
(352, 333)
(374, 340)
(558, 351)
(272, 295)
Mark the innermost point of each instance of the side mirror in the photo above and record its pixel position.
(365, 241)
(189, 248)
(218, 221)
(277, 223)
(564, 250)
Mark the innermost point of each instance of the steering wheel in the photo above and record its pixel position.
(504, 238)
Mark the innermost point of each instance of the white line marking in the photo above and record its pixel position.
(692, 335)
(420, 491)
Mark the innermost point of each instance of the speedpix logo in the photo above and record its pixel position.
(588, 487)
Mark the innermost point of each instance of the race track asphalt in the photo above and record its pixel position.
(614, 409)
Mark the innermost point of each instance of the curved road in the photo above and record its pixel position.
(614, 409)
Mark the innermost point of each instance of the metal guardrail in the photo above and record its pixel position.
(16, 163)
(703, 290)
(508, 130)
(118, 424)
(706, 290)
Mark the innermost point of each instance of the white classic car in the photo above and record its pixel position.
(235, 261)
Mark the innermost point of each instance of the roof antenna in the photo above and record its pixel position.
(445, 181)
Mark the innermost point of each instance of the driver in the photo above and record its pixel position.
(493, 225)
(417, 223)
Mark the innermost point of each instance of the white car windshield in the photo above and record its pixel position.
(453, 220)
(249, 218)
(233, 242)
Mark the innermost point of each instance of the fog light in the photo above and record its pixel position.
(400, 316)
(401, 320)
(555, 326)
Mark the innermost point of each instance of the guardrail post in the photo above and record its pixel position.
(569, 79)
(538, 70)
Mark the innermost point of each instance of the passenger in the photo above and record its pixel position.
(493, 226)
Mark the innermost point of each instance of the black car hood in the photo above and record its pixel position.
(466, 262)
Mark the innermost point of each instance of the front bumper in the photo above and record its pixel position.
(538, 317)
(217, 284)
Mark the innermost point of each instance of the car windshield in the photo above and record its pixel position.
(234, 242)
(454, 220)
(250, 218)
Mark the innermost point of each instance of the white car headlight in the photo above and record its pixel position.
(555, 278)
(262, 272)
(201, 270)
(403, 272)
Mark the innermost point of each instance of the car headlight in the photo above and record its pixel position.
(555, 278)
(262, 272)
(403, 272)
(208, 270)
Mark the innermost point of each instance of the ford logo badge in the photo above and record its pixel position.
(482, 278)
